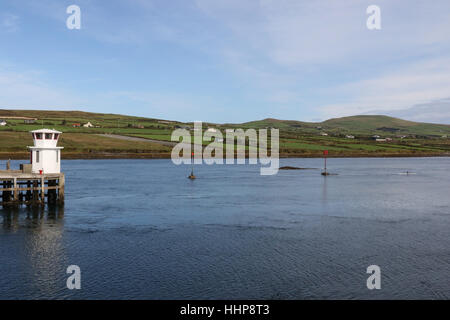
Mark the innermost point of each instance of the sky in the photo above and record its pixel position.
(228, 61)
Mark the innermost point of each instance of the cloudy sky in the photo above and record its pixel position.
(228, 60)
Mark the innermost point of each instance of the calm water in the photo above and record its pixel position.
(139, 229)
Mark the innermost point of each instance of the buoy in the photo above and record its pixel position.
(325, 172)
(325, 154)
(192, 176)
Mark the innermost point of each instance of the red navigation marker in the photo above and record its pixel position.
(325, 152)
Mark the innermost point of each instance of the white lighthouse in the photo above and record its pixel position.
(45, 155)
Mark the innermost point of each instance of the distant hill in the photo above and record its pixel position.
(50, 114)
(107, 135)
(360, 125)
(354, 125)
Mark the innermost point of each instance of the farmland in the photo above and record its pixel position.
(343, 137)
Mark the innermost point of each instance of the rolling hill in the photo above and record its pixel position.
(297, 138)
(360, 125)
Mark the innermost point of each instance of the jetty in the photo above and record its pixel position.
(19, 188)
(40, 181)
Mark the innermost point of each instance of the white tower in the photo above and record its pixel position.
(45, 155)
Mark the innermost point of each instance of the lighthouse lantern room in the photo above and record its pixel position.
(45, 155)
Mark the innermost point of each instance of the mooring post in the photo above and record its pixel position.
(16, 192)
(28, 195)
(43, 190)
(35, 192)
(61, 184)
(4, 192)
(7, 194)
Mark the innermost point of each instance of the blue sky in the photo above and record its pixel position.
(228, 60)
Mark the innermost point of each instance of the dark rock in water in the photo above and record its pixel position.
(294, 168)
(328, 174)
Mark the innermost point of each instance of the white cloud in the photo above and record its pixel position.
(281, 52)
(297, 33)
(435, 112)
(27, 90)
(419, 83)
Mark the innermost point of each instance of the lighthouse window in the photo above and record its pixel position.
(48, 136)
(56, 136)
(37, 156)
(38, 136)
(57, 156)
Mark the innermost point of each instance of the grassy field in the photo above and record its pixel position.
(297, 139)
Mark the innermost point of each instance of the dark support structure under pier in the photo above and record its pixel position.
(18, 188)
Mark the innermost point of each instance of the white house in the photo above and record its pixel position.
(45, 155)
(350, 136)
(2, 123)
(323, 134)
(211, 130)
(88, 125)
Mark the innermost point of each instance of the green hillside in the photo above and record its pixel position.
(365, 125)
(343, 137)
(385, 125)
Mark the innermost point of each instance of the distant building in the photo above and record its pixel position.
(76, 125)
(376, 137)
(323, 134)
(211, 130)
(3, 123)
(88, 125)
(182, 127)
(380, 140)
(350, 136)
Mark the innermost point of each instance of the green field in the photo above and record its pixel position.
(302, 139)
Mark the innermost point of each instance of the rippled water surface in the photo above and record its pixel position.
(139, 229)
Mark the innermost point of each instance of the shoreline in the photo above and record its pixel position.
(124, 155)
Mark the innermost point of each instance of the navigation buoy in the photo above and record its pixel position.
(192, 176)
(325, 173)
